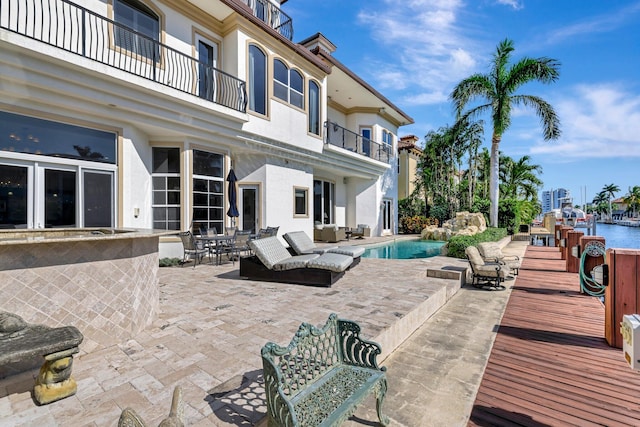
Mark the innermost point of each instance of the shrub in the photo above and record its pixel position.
(415, 224)
(458, 244)
(440, 212)
(169, 262)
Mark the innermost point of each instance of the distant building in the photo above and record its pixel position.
(554, 199)
(408, 157)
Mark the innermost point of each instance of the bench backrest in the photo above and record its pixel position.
(312, 352)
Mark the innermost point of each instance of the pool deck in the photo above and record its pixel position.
(208, 335)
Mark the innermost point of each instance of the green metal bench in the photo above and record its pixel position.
(321, 377)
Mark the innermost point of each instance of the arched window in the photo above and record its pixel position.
(314, 108)
(134, 15)
(288, 84)
(257, 80)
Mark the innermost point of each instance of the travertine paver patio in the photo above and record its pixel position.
(208, 335)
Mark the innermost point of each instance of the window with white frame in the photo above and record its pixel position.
(135, 15)
(314, 108)
(300, 201)
(208, 190)
(323, 202)
(387, 137)
(288, 84)
(165, 178)
(257, 80)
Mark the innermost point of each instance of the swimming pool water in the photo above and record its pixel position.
(405, 249)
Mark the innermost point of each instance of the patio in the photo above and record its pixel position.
(207, 338)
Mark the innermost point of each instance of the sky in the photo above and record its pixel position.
(414, 52)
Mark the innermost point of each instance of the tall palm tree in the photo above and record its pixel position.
(610, 191)
(498, 90)
(469, 136)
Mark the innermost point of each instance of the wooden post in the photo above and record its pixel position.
(556, 235)
(591, 262)
(564, 230)
(621, 296)
(572, 262)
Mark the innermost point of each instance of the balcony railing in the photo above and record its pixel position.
(272, 15)
(341, 137)
(71, 27)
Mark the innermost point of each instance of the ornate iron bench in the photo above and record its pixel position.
(22, 347)
(321, 377)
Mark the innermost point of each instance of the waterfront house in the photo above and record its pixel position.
(131, 113)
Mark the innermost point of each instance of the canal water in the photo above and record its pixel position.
(618, 236)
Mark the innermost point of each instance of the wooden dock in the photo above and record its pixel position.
(550, 364)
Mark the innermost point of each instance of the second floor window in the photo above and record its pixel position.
(133, 15)
(314, 108)
(287, 84)
(257, 80)
(387, 137)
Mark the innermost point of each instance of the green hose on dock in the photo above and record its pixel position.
(588, 283)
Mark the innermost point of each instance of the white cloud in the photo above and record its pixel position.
(598, 121)
(513, 3)
(597, 24)
(424, 40)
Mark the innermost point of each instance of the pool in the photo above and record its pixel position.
(405, 249)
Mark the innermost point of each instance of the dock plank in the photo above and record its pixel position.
(550, 364)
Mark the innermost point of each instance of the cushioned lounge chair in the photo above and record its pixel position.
(491, 252)
(486, 275)
(301, 244)
(272, 262)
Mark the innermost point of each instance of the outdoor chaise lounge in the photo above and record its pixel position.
(486, 275)
(491, 252)
(303, 245)
(272, 262)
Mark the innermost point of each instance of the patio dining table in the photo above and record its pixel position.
(219, 242)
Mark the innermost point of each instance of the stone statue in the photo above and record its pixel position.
(129, 417)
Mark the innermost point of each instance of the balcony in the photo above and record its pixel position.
(270, 14)
(344, 138)
(71, 27)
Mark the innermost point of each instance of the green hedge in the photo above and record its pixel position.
(457, 244)
(170, 262)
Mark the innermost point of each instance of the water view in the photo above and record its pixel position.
(405, 249)
(619, 236)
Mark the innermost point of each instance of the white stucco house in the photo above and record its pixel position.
(131, 113)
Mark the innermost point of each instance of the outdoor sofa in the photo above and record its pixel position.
(329, 233)
(272, 262)
(301, 244)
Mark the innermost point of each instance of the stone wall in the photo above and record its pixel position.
(108, 289)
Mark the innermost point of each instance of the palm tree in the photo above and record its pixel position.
(632, 199)
(469, 134)
(519, 179)
(498, 90)
(609, 192)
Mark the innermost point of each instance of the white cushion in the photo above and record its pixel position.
(333, 262)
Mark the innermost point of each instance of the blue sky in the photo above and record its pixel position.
(415, 51)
